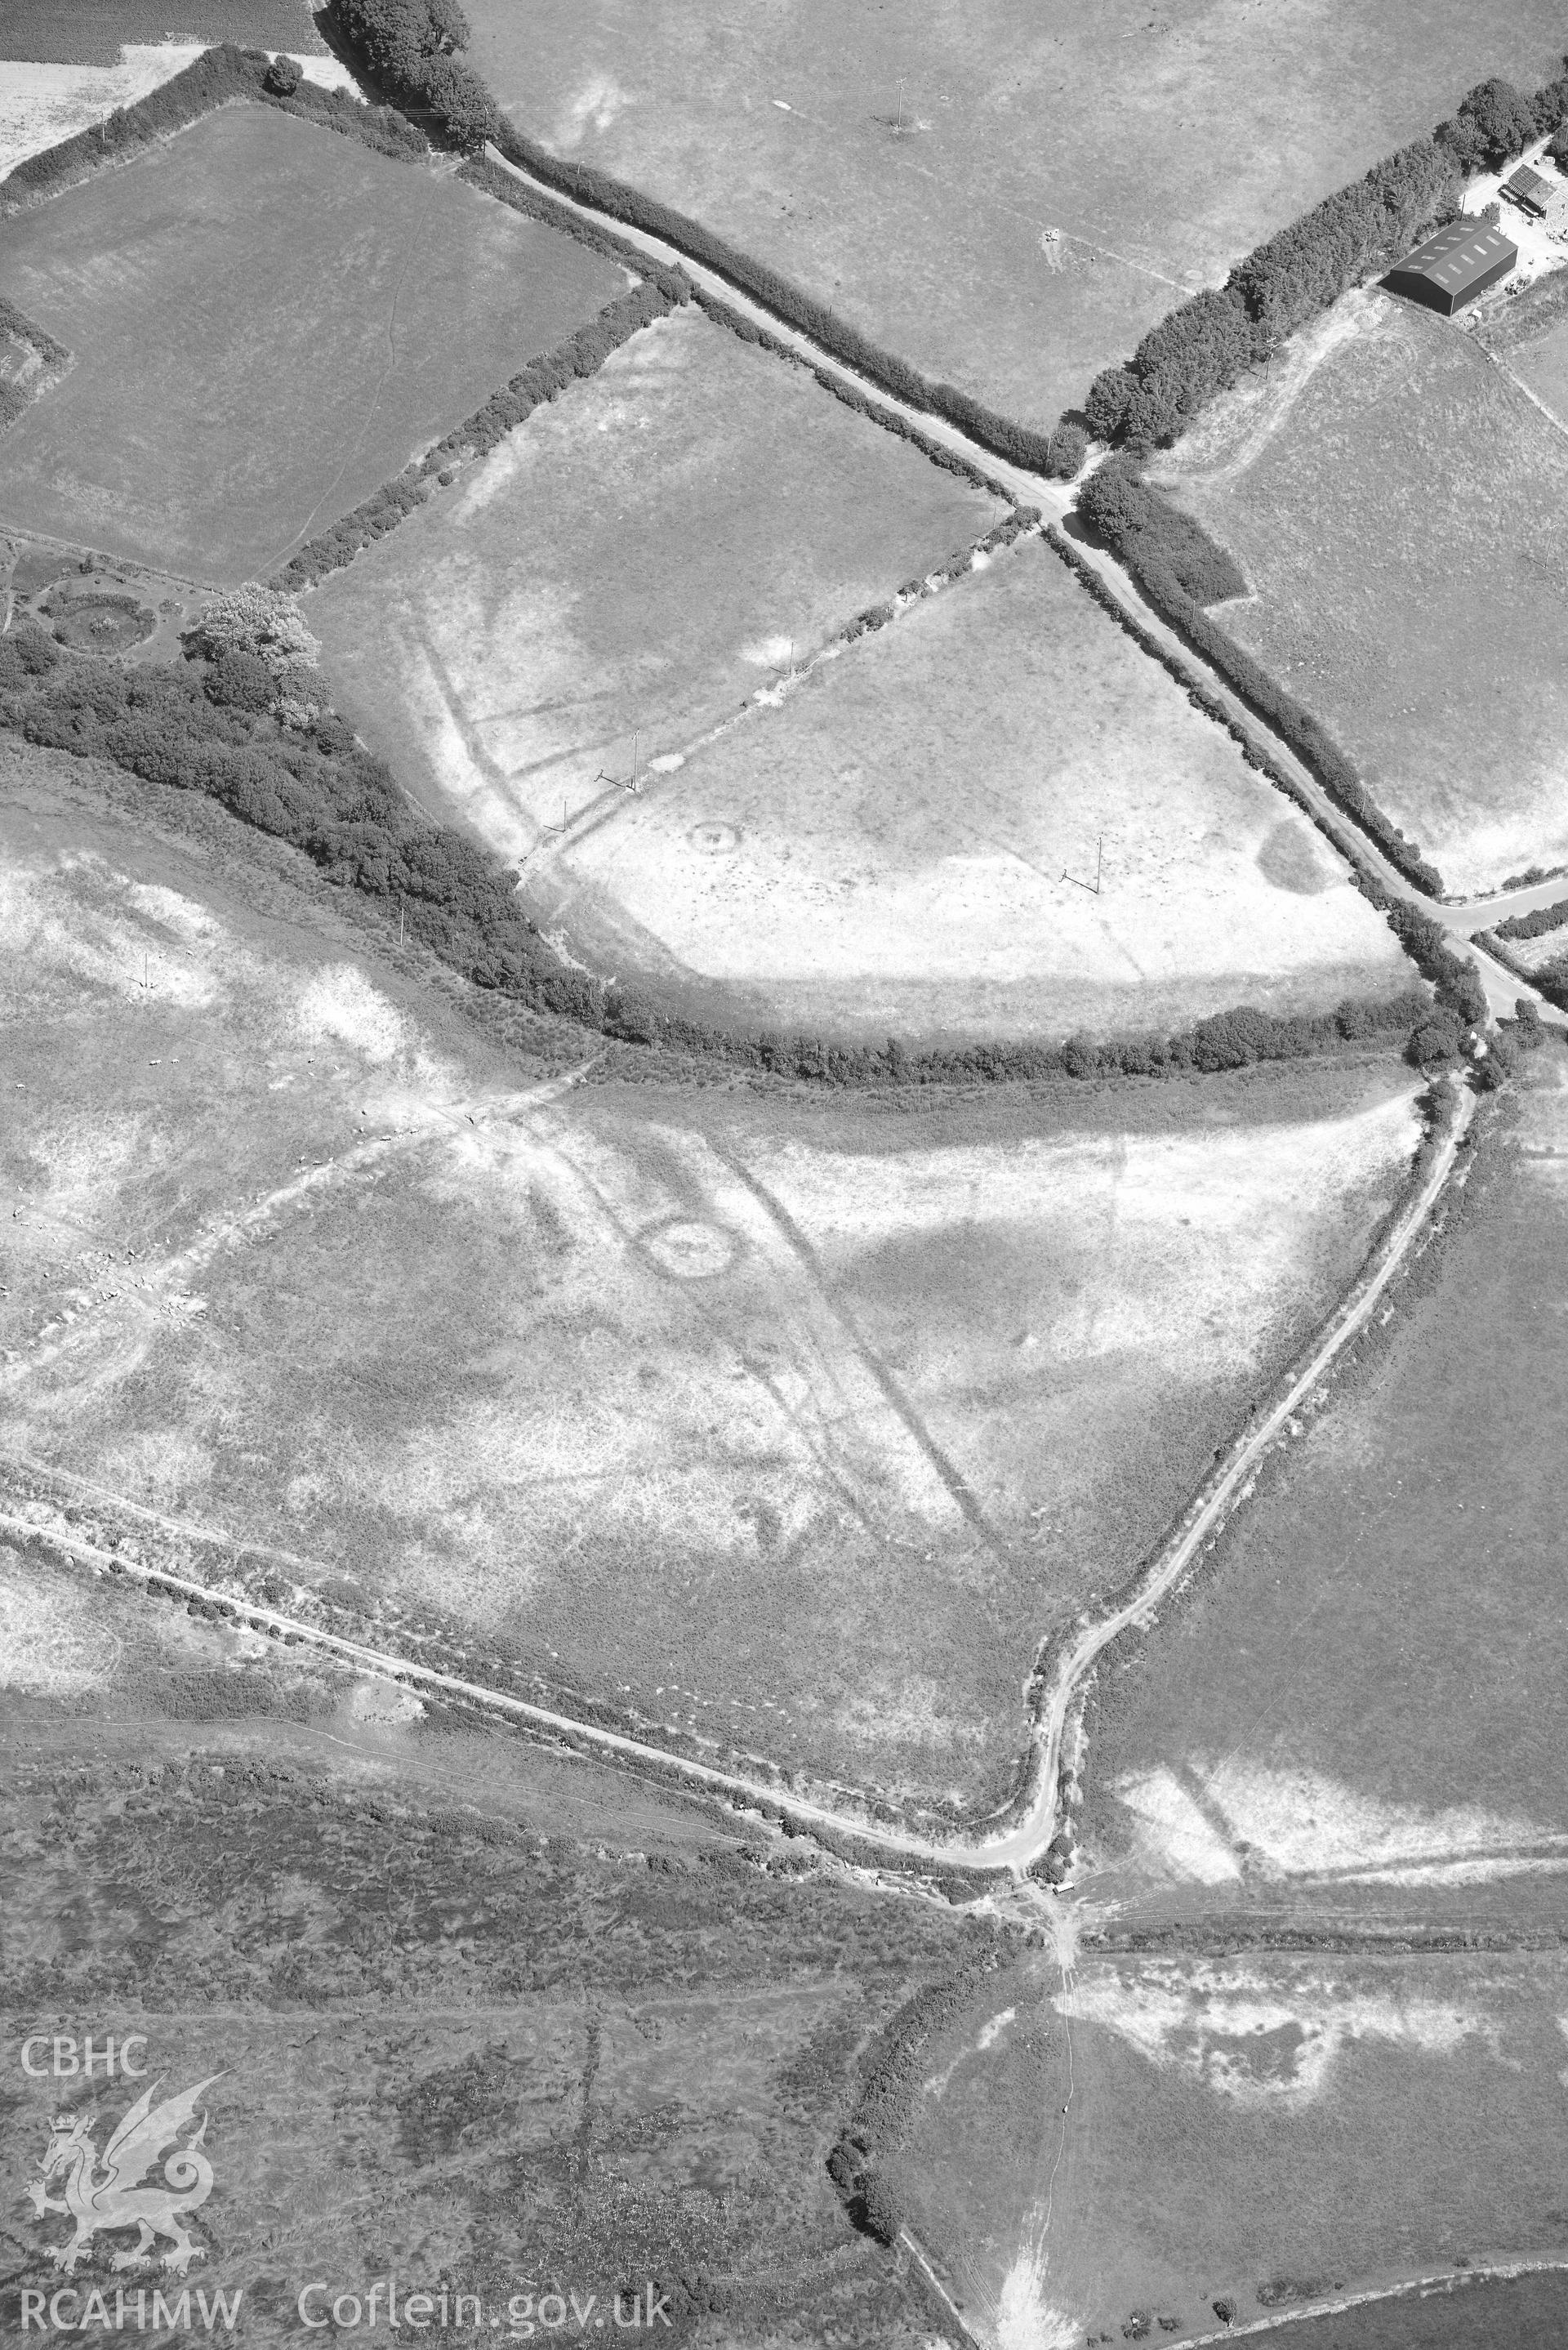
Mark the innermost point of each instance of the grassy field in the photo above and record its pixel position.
(94, 31)
(267, 320)
(493, 2021)
(1008, 203)
(910, 843)
(642, 556)
(1397, 504)
(1319, 1729)
(776, 1421)
(1257, 2131)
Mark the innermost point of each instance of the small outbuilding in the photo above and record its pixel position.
(1529, 191)
(1455, 265)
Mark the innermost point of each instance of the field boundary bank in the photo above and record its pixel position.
(966, 1856)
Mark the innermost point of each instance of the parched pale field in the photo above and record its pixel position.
(1261, 2130)
(909, 841)
(267, 320)
(790, 1424)
(1358, 1711)
(43, 102)
(1400, 508)
(642, 556)
(1007, 199)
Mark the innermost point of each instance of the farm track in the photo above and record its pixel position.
(1009, 1851)
(1461, 918)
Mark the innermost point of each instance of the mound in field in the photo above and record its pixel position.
(642, 556)
(910, 842)
(1007, 199)
(1400, 505)
(786, 1424)
(270, 321)
(1324, 1730)
(1261, 2130)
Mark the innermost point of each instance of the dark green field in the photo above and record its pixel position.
(268, 320)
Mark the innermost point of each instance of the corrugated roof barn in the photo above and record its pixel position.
(1455, 265)
(1528, 190)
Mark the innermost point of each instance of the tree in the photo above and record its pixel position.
(456, 92)
(241, 680)
(881, 2210)
(256, 619)
(1106, 404)
(283, 75)
(1065, 451)
(1435, 1041)
(1500, 118)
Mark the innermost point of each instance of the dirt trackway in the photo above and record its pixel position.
(1056, 500)
(1010, 1850)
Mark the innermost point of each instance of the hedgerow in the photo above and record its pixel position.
(1533, 926)
(210, 80)
(890, 2075)
(17, 397)
(13, 322)
(543, 379)
(1153, 537)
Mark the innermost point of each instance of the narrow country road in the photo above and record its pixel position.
(1056, 500)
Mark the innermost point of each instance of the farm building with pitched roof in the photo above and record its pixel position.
(1528, 190)
(1455, 265)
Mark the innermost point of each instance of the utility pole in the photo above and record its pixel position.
(900, 130)
(1092, 887)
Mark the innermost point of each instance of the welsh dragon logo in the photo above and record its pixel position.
(114, 2198)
